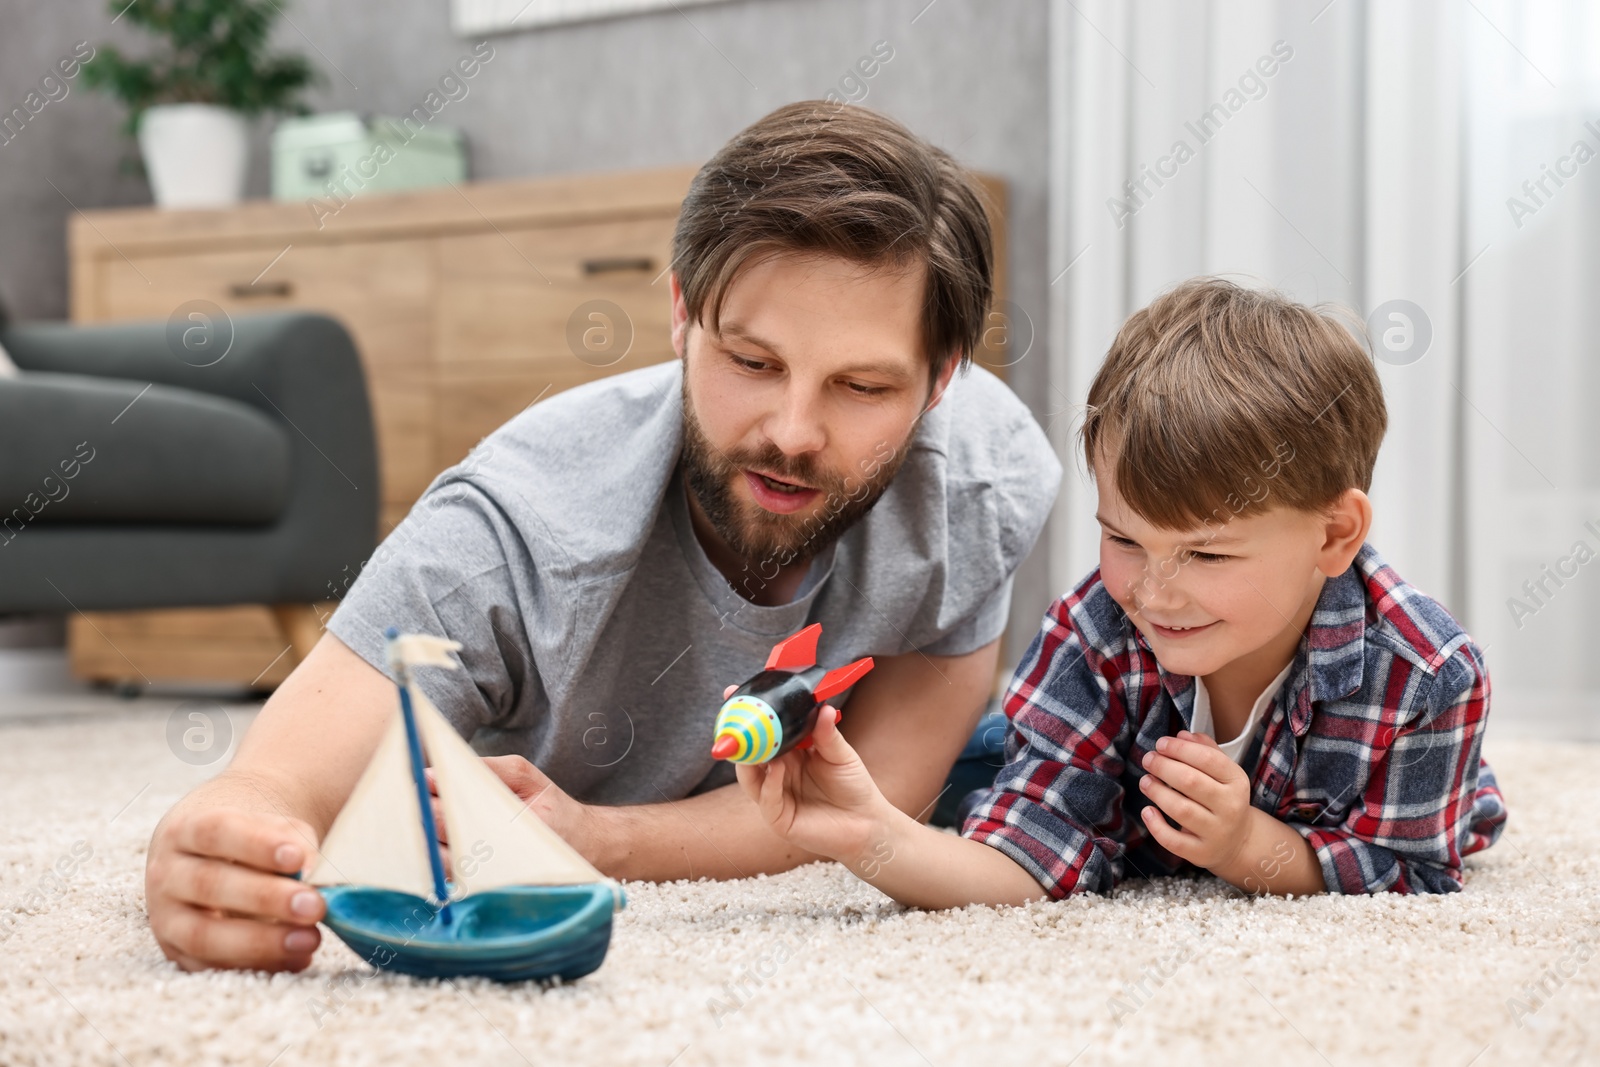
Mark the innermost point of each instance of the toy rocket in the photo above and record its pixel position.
(775, 710)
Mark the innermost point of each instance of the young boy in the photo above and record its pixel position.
(1242, 684)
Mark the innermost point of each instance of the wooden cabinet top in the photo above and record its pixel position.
(469, 207)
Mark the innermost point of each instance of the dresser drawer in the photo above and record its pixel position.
(380, 290)
(516, 299)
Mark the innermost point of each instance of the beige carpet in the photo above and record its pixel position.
(812, 966)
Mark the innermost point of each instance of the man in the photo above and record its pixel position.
(614, 556)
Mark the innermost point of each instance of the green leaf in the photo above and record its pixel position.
(205, 51)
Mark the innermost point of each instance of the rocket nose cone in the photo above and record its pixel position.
(724, 746)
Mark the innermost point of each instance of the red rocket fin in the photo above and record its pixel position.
(839, 679)
(797, 651)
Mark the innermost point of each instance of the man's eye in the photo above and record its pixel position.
(747, 363)
(866, 390)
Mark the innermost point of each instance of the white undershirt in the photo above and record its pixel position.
(1203, 724)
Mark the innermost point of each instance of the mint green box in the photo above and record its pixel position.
(345, 154)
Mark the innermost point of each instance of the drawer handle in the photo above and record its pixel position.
(618, 263)
(242, 290)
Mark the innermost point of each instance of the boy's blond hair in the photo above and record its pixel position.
(1217, 401)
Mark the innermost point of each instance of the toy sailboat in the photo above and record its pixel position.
(523, 903)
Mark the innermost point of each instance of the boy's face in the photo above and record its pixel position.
(1234, 588)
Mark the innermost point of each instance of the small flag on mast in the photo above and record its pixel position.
(422, 650)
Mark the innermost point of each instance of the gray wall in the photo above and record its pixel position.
(631, 92)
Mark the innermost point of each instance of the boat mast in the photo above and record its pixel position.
(430, 832)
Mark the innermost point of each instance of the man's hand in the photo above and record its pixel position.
(217, 894)
(1205, 792)
(578, 824)
(215, 873)
(822, 800)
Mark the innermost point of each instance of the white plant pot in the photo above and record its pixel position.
(195, 154)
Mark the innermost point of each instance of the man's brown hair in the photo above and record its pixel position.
(837, 179)
(1217, 401)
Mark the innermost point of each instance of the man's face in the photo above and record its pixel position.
(1236, 585)
(797, 412)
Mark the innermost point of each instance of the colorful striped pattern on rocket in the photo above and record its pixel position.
(775, 711)
(754, 727)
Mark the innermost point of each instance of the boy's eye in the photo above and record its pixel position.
(1183, 554)
(866, 390)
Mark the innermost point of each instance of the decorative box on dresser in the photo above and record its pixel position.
(467, 303)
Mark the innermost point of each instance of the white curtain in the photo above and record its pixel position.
(1358, 154)
(1530, 446)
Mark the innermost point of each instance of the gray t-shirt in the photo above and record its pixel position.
(597, 636)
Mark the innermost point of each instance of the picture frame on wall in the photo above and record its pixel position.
(471, 18)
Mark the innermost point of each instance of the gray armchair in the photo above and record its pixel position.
(131, 479)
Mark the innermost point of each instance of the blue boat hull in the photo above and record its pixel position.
(510, 935)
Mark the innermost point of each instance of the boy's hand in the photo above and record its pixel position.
(1205, 792)
(823, 799)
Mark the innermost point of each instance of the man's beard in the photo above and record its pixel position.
(760, 536)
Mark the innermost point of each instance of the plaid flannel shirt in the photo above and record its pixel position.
(1370, 750)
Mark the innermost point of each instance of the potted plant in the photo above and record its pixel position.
(189, 102)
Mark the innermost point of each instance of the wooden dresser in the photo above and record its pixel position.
(466, 302)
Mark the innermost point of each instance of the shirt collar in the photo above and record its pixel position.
(1335, 642)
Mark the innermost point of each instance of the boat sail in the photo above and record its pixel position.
(523, 903)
